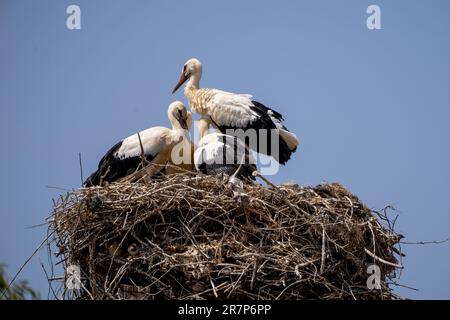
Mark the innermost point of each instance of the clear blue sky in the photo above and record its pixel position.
(372, 108)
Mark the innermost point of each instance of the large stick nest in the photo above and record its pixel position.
(192, 237)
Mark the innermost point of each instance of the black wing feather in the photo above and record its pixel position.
(112, 168)
(263, 121)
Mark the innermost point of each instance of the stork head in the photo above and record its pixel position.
(179, 116)
(191, 69)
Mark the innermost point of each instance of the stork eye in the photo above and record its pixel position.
(186, 71)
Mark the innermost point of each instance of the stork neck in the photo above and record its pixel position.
(189, 92)
(194, 82)
(176, 126)
(174, 122)
(202, 126)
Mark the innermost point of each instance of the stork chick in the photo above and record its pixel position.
(233, 111)
(218, 153)
(154, 145)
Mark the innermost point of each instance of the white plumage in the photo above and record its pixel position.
(218, 153)
(218, 148)
(153, 141)
(232, 109)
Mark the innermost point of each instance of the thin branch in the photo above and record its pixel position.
(427, 242)
(382, 260)
(322, 261)
(144, 161)
(81, 168)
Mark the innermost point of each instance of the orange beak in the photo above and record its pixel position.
(182, 80)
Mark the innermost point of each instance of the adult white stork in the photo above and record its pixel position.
(156, 143)
(238, 111)
(218, 153)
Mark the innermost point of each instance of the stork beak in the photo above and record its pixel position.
(183, 124)
(182, 80)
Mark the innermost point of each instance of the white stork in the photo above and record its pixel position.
(157, 144)
(182, 159)
(233, 111)
(218, 153)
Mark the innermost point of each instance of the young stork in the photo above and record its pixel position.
(218, 153)
(228, 110)
(182, 151)
(157, 143)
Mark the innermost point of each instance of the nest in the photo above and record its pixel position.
(194, 237)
